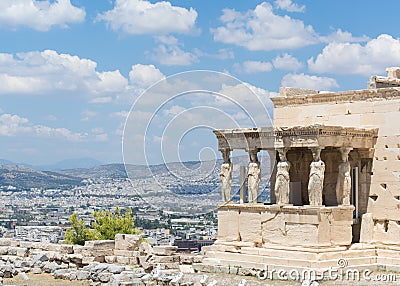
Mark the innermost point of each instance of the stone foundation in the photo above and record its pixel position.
(263, 225)
(256, 237)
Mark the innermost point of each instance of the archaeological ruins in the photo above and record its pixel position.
(335, 185)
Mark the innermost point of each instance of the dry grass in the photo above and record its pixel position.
(42, 279)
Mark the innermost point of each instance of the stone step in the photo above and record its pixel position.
(233, 259)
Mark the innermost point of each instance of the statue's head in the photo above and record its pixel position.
(316, 153)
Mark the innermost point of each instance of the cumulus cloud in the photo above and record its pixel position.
(308, 81)
(120, 114)
(289, 6)
(261, 29)
(12, 125)
(144, 17)
(144, 75)
(253, 67)
(169, 52)
(102, 99)
(340, 36)
(41, 72)
(101, 137)
(39, 15)
(221, 54)
(287, 62)
(354, 58)
(88, 115)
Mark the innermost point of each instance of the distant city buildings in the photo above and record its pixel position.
(43, 214)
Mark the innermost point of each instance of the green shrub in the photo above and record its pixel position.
(107, 224)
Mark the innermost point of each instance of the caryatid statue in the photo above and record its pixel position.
(343, 184)
(226, 176)
(253, 176)
(282, 183)
(316, 179)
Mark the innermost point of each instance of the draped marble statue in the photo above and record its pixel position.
(282, 183)
(316, 179)
(226, 181)
(226, 176)
(343, 184)
(253, 177)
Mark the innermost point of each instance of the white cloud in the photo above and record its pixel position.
(110, 82)
(88, 115)
(308, 81)
(103, 99)
(144, 76)
(120, 114)
(143, 17)
(368, 59)
(48, 71)
(289, 6)
(174, 110)
(101, 137)
(253, 67)
(51, 117)
(97, 130)
(261, 29)
(287, 62)
(224, 54)
(340, 36)
(39, 15)
(169, 53)
(13, 125)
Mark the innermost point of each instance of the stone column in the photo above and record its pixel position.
(282, 182)
(253, 176)
(226, 175)
(343, 184)
(316, 179)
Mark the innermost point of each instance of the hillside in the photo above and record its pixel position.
(22, 177)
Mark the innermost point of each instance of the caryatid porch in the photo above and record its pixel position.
(311, 185)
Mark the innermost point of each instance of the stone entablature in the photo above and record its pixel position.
(382, 82)
(245, 138)
(324, 136)
(338, 97)
(267, 138)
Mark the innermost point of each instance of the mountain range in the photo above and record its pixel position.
(61, 165)
(23, 176)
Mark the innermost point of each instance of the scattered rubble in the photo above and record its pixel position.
(127, 260)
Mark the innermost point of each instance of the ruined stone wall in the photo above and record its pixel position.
(379, 177)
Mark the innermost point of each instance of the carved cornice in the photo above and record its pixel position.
(338, 97)
(321, 130)
(301, 136)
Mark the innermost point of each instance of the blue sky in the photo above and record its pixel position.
(71, 70)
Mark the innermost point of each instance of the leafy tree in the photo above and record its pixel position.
(79, 233)
(107, 224)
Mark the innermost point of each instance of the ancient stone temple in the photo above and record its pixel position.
(335, 184)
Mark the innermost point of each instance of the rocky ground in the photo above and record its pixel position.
(129, 262)
(222, 280)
